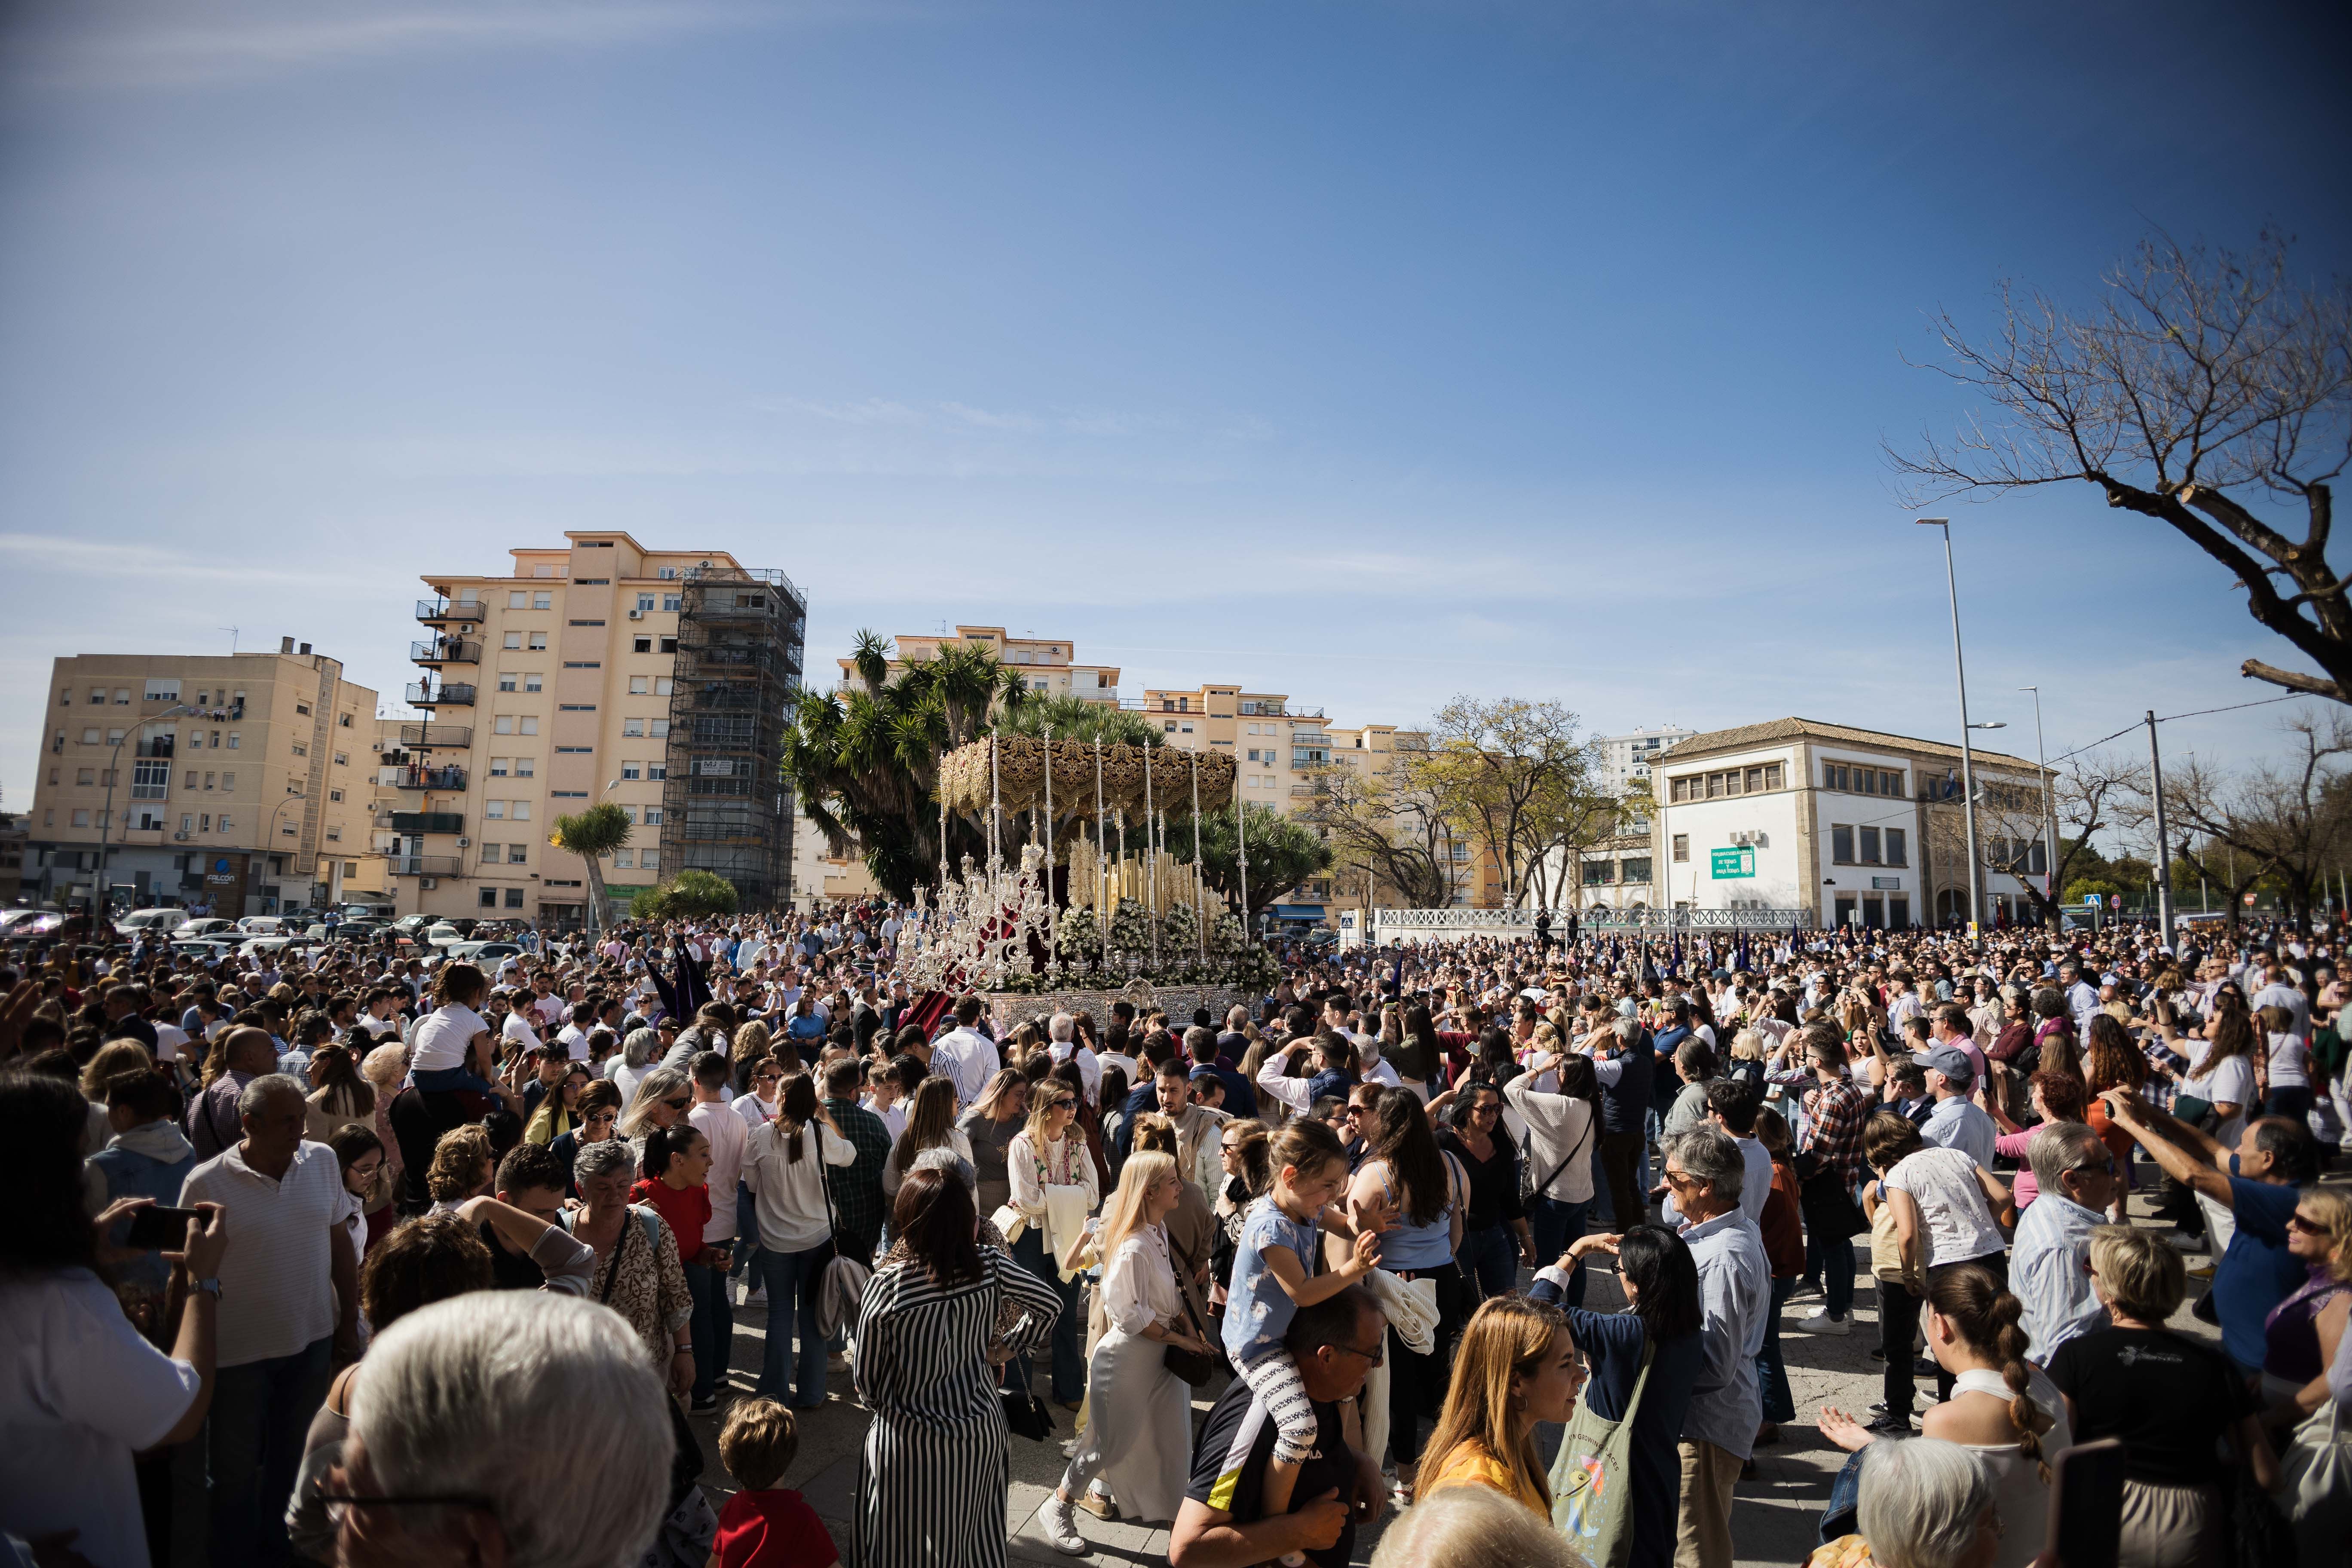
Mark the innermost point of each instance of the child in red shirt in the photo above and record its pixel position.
(678, 1167)
(765, 1525)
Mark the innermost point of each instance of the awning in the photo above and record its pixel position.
(1298, 912)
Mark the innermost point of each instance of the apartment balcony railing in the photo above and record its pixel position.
(451, 610)
(422, 821)
(427, 865)
(427, 737)
(1297, 791)
(449, 778)
(445, 651)
(425, 694)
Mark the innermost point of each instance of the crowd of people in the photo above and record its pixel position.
(381, 1257)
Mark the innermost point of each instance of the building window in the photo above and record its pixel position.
(1636, 869)
(631, 771)
(522, 811)
(661, 770)
(517, 853)
(498, 767)
(335, 795)
(489, 898)
(659, 728)
(86, 776)
(514, 898)
(649, 859)
(1600, 873)
(233, 739)
(300, 749)
(165, 690)
(542, 601)
(509, 680)
(539, 640)
(229, 781)
(644, 601)
(503, 724)
(1870, 847)
(495, 810)
(335, 834)
(633, 727)
(669, 645)
(514, 639)
(531, 682)
(1841, 845)
(1898, 851)
(526, 766)
(641, 644)
(529, 725)
(122, 697)
(666, 572)
(89, 737)
(582, 664)
(639, 685)
(1682, 848)
(81, 819)
(625, 860)
(669, 601)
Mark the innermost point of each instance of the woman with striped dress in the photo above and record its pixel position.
(933, 1474)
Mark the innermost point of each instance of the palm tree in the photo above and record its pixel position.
(592, 835)
(863, 761)
(1075, 719)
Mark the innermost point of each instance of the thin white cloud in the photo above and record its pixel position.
(162, 47)
(990, 420)
(86, 558)
(867, 411)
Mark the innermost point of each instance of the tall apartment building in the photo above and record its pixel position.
(1049, 665)
(661, 680)
(238, 782)
(1625, 759)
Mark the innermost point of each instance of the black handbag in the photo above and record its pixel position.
(1195, 1367)
(1025, 1414)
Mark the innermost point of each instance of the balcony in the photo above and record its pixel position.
(425, 737)
(423, 821)
(449, 778)
(453, 610)
(425, 694)
(1299, 792)
(445, 651)
(427, 865)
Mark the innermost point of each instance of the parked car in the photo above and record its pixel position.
(138, 921)
(18, 923)
(208, 926)
(482, 952)
(204, 950)
(261, 925)
(443, 935)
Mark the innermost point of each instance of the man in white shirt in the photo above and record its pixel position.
(2082, 1001)
(713, 1325)
(289, 1304)
(965, 1057)
(517, 1031)
(2277, 993)
(1063, 1048)
(1957, 1121)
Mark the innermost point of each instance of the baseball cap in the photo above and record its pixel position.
(1951, 1061)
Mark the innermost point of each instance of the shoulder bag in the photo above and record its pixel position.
(1591, 1479)
(842, 1287)
(1529, 1188)
(1192, 1365)
(1025, 1414)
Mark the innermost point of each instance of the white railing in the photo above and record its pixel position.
(1393, 925)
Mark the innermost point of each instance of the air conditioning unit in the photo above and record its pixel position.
(428, 883)
(465, 844)
(637, 614)
(179, 838)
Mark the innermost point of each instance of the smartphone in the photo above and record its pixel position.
(155, 1229)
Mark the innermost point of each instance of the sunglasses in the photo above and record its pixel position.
(2308, 1227)
(678, 1104)
(1373, 1357)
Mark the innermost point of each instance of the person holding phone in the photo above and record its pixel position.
(95, 1394)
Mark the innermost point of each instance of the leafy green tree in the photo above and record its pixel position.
(592, 835)
(1283, 853)
(690, 896)
(863, 761)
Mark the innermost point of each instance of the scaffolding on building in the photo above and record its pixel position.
(725, 809)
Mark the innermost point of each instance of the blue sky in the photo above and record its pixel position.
(1370, 352)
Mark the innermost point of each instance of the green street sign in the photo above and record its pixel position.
(1732, 862)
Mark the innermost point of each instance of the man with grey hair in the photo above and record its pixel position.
(1705, 1174)
(289, 1293)
(455, 1400)
(1064, 1046)
(2049, 1262)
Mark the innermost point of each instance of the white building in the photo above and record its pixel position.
(1625, 759)
(1854, 825)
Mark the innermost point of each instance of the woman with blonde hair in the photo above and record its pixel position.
(383, 1067)
(986, 1129)
(1054, 1188)
(661, 1100)
(1137, 1441)
(1516, 1365)
(462, 1167)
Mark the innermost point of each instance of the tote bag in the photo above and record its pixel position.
(2315, 1483)
(1591, 1482)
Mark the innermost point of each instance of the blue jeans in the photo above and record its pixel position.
(1830, 1260)
(712, 1326)
(1069, 1329)
(438, 1080)
(253, 1444)
(1557, 1224)
(747, 1230)
(1491, 1258)
(1845, 1497)
(791, 1281)
(1771, 1367)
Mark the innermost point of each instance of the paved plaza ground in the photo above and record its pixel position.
(1775, 1522)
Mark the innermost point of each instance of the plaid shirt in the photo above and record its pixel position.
(857, 1187)
(1838, 1111)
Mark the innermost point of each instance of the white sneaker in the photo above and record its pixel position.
(1061, 1530)
(1821, 1322)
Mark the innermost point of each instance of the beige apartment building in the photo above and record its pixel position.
(660, 681)
(238, 782)
(1049, 665)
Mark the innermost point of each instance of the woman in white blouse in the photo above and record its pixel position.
(1053, 1189)
(1137, 1441)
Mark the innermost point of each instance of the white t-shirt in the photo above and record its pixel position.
(756, 1113)
(2231, 1083)
(79, 1393)
(169, 1038)
(727, 1134)
(518, 1029)
(2288, 1056)
(439, 1040)
(1943, 1182)
(276, 1283)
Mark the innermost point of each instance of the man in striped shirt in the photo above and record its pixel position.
(1835, 1113)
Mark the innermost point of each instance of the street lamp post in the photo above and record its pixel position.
(105, 834)
(269, 833)
(1968, 761)
(2048, 816)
